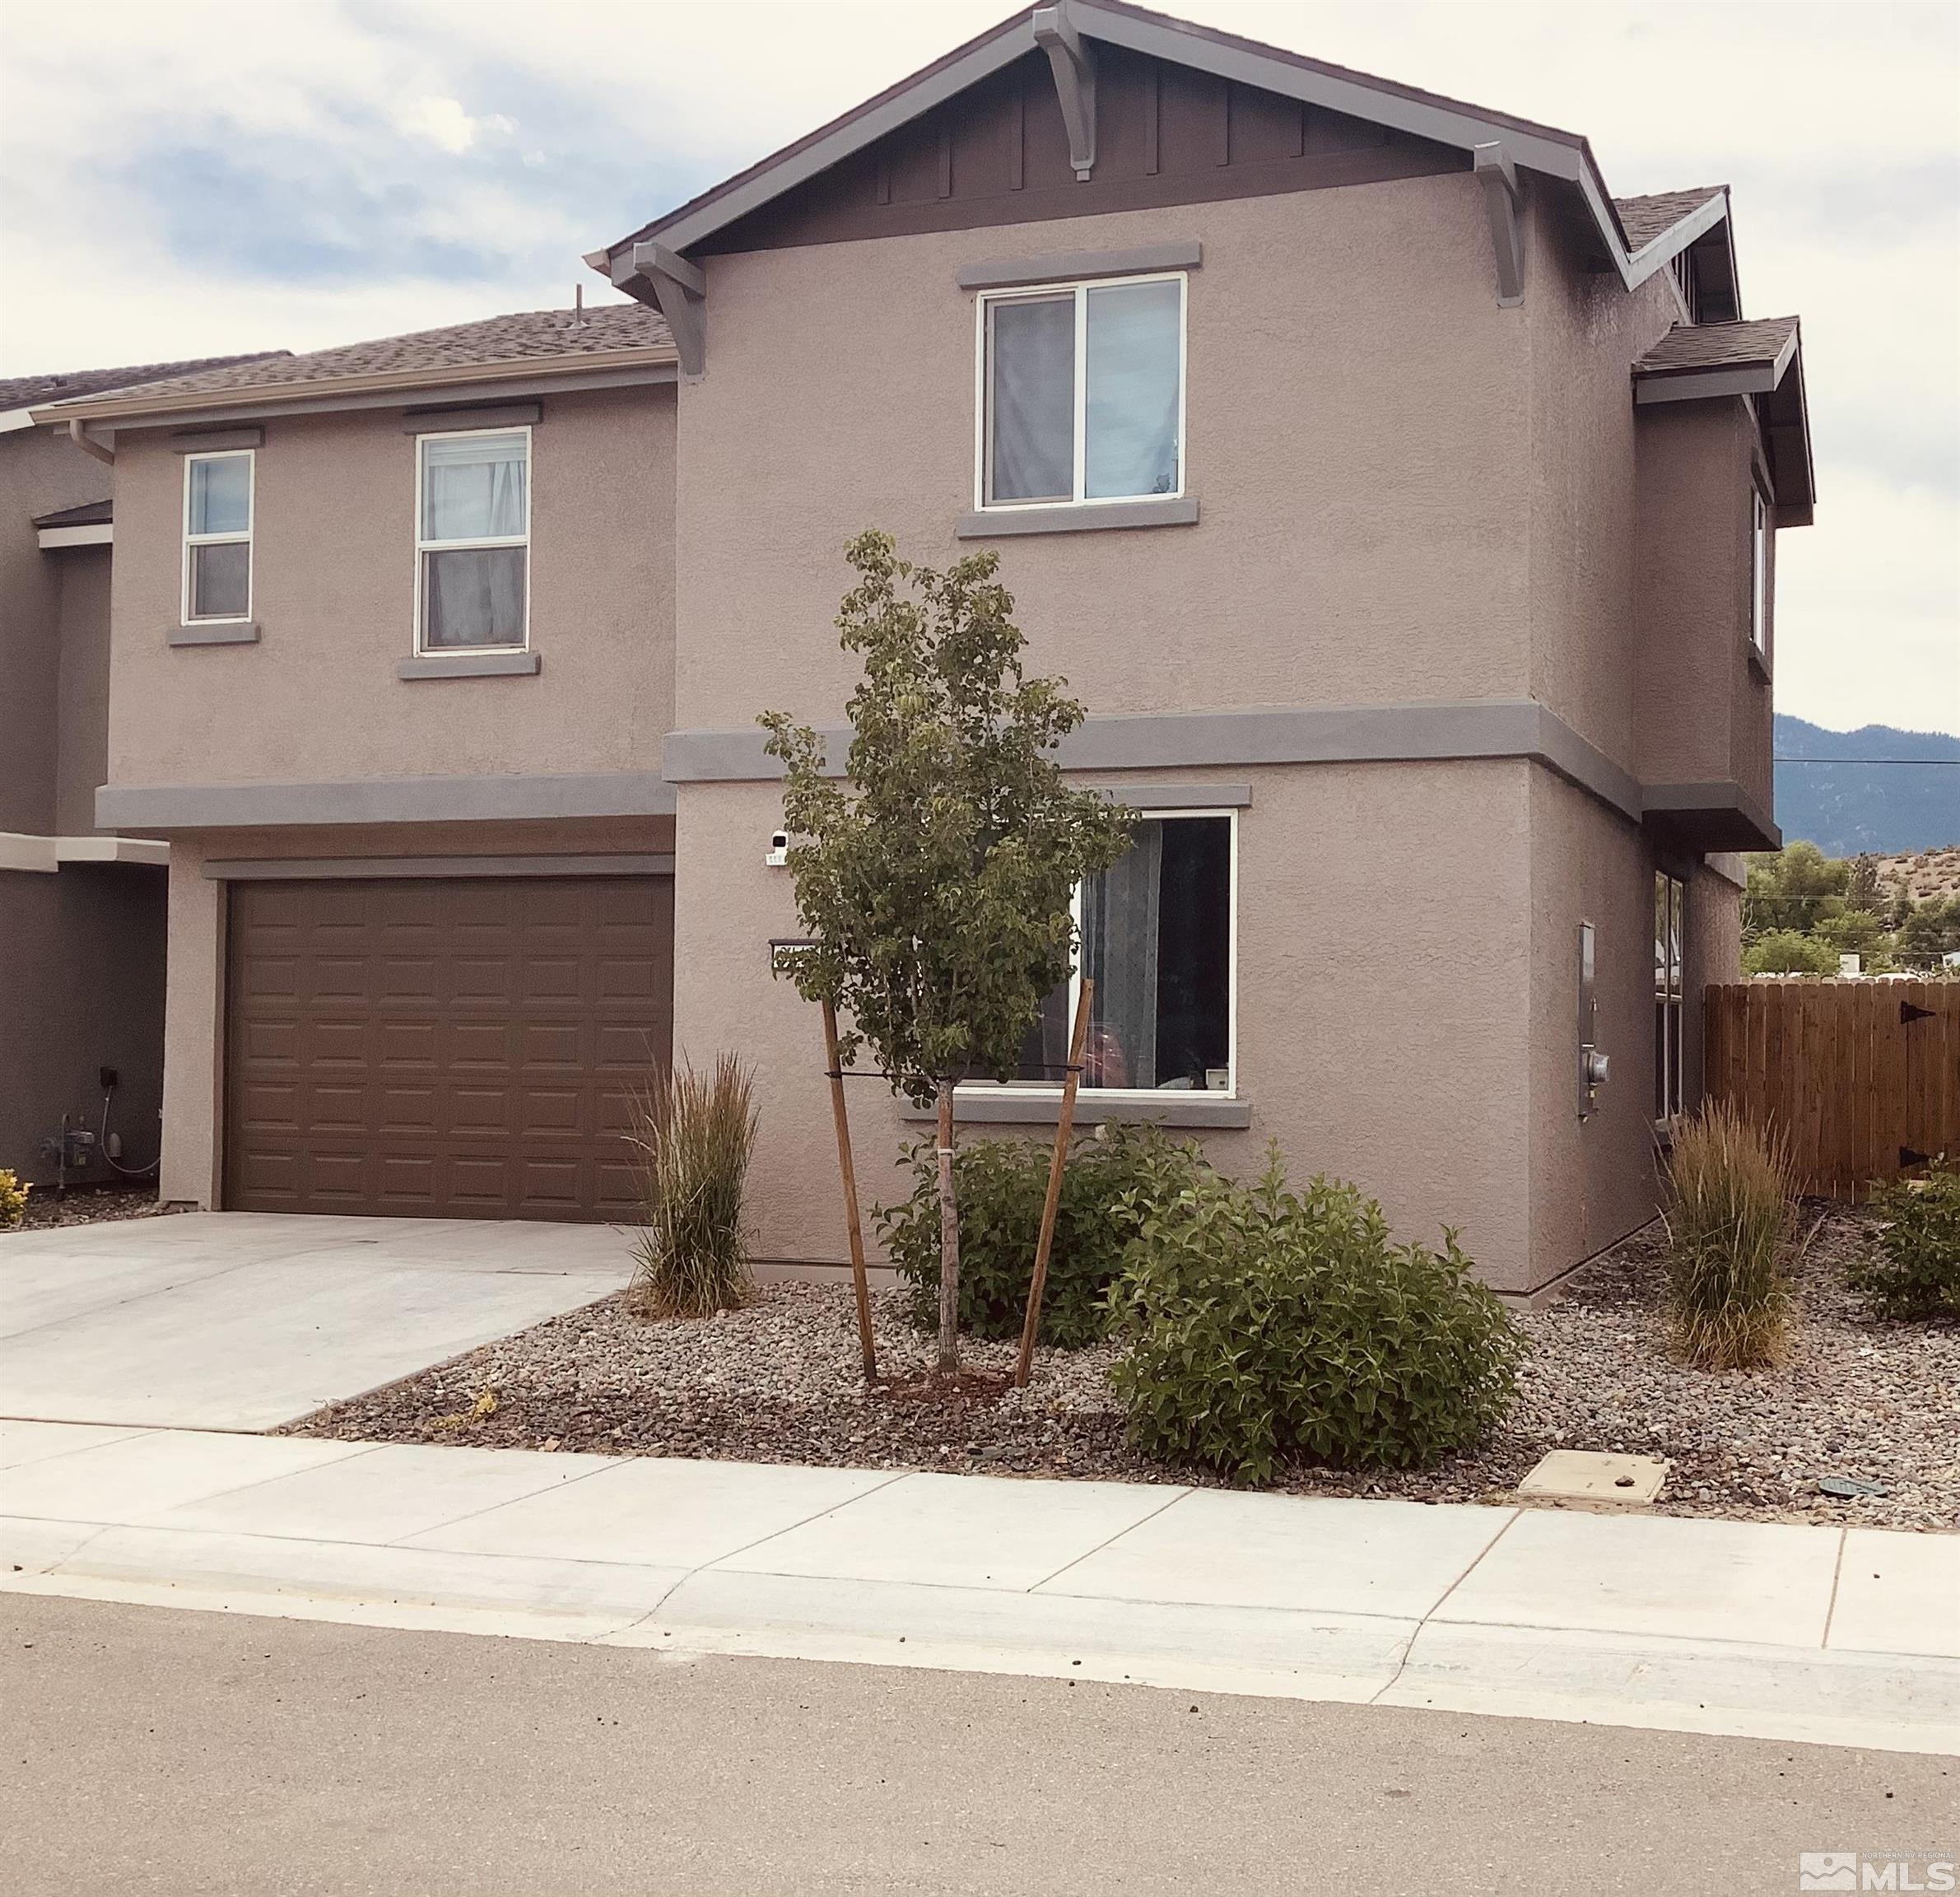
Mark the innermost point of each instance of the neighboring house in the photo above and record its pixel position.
(1404, 507)
(82, 909)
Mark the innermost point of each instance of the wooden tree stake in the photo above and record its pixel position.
(850, 1193)
(949, 1242)
(1064, 1126)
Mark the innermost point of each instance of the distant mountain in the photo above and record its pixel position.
(1845, 808)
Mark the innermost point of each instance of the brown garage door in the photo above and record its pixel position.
(448, 1048)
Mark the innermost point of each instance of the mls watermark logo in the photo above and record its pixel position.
(1917, 1870)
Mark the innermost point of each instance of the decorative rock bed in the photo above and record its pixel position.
(777, 1382)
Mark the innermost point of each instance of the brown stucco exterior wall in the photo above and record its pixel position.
(81, 968)
(1704, 701)
(194, 1028)
(318, 697)
(1383, 989)
(40, 473)
(1357, 438)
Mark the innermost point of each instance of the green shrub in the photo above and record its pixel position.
(1000, 1185)
(1266, 1326)
(13, 1199)
(1788, 951)
(695, 1133)
(1914, 1272)
(1729, 1234)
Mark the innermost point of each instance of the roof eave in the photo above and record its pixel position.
(326, 392)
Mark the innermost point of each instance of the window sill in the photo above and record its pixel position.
(1169, 1106)
(470, 665)
(1079, 517)
(221, 632)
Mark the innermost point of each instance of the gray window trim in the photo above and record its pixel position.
(1073, 266)
(215, 633)
(1078, 517)
(216, 440)
(462, 664)
(447, 420)
(1169, 1106)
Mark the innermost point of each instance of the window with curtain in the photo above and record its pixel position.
(217, 535)
(1670, 900)
(472, 540)
(1156, 936)
(1083, 393)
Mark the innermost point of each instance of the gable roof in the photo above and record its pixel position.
(533, 341)
(1644, 219)
(1563, 155)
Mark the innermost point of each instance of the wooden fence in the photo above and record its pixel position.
(1863, 1077)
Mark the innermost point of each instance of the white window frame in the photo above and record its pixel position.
(1050, 1089)
(250, 457)
(426, 546)
(1759, 568)
(1030, 292)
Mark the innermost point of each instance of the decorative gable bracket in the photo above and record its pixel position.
(1074, 69)
(652, 274)
(1503, 198)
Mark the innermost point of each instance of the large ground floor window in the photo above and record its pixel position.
(1157, 939)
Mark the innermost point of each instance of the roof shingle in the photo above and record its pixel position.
(1644, 219)
(29, 391)
(89, 514)
(527, 335)
(1718, 345)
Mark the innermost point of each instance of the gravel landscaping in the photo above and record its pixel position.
(88, 1206)
(777, 1382)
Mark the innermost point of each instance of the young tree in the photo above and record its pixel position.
(935, 879)
(1861, 890)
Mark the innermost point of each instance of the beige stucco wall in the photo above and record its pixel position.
(82, 690)
(1383, 996)
(1585, 332)
(193, 1042)
(318, 697)
(1704, 704)
(1357, 438)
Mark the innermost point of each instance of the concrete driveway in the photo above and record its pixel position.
(243, 1320)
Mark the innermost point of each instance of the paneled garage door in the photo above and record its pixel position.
(445, 1047)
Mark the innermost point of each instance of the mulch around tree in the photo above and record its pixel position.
(777, 1382)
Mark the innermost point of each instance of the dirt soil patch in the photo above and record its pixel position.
(778, 1381)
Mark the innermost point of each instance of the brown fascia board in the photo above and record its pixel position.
(364, 391)
(1564, 155)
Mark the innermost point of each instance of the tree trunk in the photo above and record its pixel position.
(949, 1242)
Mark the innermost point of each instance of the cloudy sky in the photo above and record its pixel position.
(193, 179)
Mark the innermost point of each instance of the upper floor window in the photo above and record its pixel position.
(1158, 938)
(472, 537)
(1082, 393)
(217, 535)
(1759, 568)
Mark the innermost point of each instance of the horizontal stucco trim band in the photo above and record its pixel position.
(451, 421)
(244, 634)
(1178, 796)
(1070, 266)
(216, 440)
(470, 665)
(382, 800)
(340, 868)
(1173, 1106)
(1087, 517)
(1432, 731)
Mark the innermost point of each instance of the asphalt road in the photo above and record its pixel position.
(148, 1750)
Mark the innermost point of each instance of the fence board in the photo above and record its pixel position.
(1855, 1072)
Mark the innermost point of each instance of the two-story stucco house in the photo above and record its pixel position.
(1403, 505)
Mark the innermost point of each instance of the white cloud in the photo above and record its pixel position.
(461, 124)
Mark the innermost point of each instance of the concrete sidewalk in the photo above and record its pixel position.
(1847, 1637)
